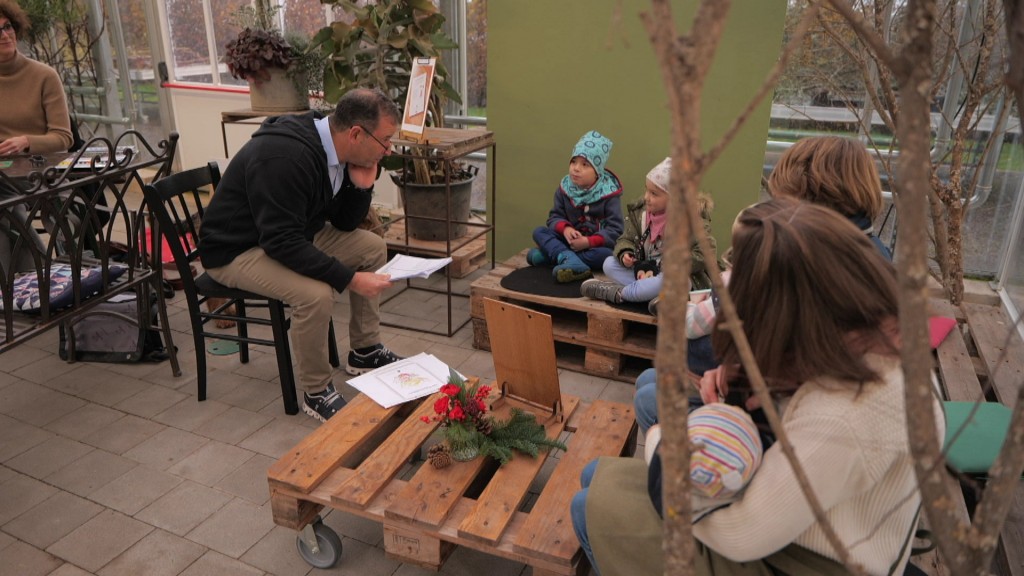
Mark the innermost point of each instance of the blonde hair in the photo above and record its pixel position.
(832, 171)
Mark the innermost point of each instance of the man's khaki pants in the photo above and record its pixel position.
(311, 301)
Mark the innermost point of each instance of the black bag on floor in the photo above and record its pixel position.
(112, 332)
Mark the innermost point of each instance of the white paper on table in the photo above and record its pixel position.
(402, 267)
(408, 379)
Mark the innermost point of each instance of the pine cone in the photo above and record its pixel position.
(485, 426)
(439, 456)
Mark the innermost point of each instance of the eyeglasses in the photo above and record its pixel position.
(386, 144)
(7, 29)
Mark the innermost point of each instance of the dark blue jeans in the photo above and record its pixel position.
(552, 244)
(578, 512)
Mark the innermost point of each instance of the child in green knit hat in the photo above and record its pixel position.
(586, 218)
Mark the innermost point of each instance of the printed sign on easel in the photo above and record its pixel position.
(417, 99)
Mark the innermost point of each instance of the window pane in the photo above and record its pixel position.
(476, 57)
(303, 17)
(226, 29)
(187, 29)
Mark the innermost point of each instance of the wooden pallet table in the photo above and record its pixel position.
(354, 461)
(590, 335)
(467, 255)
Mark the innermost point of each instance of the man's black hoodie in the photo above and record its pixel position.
(276, 194)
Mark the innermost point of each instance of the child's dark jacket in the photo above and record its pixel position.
(600, 220)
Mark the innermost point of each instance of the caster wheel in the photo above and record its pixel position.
(328, 544)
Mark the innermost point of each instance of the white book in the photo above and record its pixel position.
(408, 379)
(402, 266)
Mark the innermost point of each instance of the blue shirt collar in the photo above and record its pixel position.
(334, 166)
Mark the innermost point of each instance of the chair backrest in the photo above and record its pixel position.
(177, 206)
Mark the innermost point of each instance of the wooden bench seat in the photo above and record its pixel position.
(975, 354)
(590, 336)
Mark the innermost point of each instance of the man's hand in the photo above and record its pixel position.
(14, 145)
(369, 284)
(362, 176)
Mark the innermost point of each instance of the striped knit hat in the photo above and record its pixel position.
(726, 450)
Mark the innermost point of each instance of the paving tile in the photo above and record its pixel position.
(468, 562)
(234, 528)
(100, 540)
(616, 391)
(151, 401)
(165, 448)
(17, 437)
(69, 570)
(480, 364)
(158, 554)
(183, 508)
(135, 490)
(45, 370)
(95, 383)
(448, 354)
(46, 458)
(189, 414)
(6, 474)
(275, 553)
(26, 356)
(585, 386)
(252, 394)
(36, 404)
(124, 434)
(277, 437)
(6, 540)
(21, 493)
(249, 481)
(84, 421)
(358, 559)
(233, 425)
(22, 559)
(354, 527)
(85, 475)
(216, 564)
(52, 519)
(211, 463)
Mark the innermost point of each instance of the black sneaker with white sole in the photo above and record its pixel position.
(323, 405)
(375, 357)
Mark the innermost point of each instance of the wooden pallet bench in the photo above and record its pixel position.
(590, 335)
(975, 357)
(357, 460)
(467, 255)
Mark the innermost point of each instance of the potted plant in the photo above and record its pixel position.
(376, 50)
(261, 56)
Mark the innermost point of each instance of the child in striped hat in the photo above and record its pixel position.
(725, 451)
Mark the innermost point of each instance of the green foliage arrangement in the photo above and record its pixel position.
(462, 412)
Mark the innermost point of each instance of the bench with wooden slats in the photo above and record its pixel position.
(997, 359)
(354, 463)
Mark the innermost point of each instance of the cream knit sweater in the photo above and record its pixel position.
(34, 105)
(855, 452)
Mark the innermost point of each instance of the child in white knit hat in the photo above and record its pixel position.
(725, 451)
(635, 265)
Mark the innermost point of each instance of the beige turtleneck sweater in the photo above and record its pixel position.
(34, 105)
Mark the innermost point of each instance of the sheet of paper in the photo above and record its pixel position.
(402, 266)
(408, 379)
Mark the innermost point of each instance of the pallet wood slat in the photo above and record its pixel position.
(548, 532)
(304, 466)
(387, 460)
(468, 255)
(1004, 357)
(498, 503)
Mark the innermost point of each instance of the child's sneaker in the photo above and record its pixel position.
(323, 405)
(570, 268)
(602, 290)
(377, 356)
(537, 258)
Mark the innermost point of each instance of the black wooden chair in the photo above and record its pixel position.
(176, 204)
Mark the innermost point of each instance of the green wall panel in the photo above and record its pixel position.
(558, 68)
